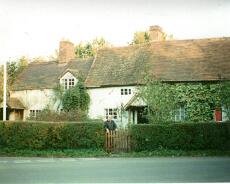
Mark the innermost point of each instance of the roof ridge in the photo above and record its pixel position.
(42, 63)
(81, 59)
(164, 41)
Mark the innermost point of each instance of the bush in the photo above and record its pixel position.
(180, 136)
(43, 135)
(48, 115)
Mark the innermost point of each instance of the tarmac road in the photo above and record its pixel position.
(113, 170)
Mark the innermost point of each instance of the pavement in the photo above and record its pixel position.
(113, 170)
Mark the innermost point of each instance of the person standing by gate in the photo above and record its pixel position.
(110, 128)
(110, 125)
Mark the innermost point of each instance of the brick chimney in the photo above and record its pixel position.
(156, 33)
(66, 51)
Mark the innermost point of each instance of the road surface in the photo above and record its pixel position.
(106, 170)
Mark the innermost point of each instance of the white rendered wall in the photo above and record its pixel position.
(35, 100)
(100, 98)
(109, 97)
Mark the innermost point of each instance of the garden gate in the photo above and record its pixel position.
(117, 141)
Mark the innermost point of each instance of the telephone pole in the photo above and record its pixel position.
(4, 92)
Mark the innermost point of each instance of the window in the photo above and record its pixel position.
(111, 112)
(34, 113)
(125, 91)
(180, 114)
(71, 83)
(68, 83)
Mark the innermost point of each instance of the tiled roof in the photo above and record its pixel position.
(178, 60)
(45, 75)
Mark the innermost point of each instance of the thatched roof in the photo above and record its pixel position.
(178, 60)
(45, 75)
(13, 103)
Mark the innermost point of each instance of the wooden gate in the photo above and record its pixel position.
(117, 141)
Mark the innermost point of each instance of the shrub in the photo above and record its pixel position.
(52, 116)
(43, 135)
(181, 136)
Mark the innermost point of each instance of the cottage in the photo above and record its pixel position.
(112, 77)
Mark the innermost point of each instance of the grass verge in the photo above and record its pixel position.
(101, 153)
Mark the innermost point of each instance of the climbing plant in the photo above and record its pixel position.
(199, 99)
(76, 98)
(224, 97)
(160, 100)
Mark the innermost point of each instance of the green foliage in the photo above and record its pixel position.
(58, 95)
(199, 99)
(14, 68)
(76, 98)
(54, 153)
(168, 36)
(89, 49)
(140, 37)
(160, 99)
(224, 96)
(52, 116)
(43, 135)
(101, 153)
(181, 136)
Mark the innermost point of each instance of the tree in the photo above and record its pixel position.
(168, 36)
(11, 72)
(14, 68)
(89, 49)
(140, 37)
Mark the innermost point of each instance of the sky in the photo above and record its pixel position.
(33, 28)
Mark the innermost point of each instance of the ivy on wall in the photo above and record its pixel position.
(199, 99)
(76, 98)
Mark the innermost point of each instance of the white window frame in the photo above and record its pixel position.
(34, 113)
(126, 91)
(113, 112)
(68, 83)
(180, 114)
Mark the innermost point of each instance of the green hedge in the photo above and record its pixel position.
(180, 136)
(44, 135)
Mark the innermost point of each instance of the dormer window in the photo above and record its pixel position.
(68, 80)
(68, 83)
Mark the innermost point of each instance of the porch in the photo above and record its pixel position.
(137, 110)
(14, 110)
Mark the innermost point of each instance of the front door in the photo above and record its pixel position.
(142, 115)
